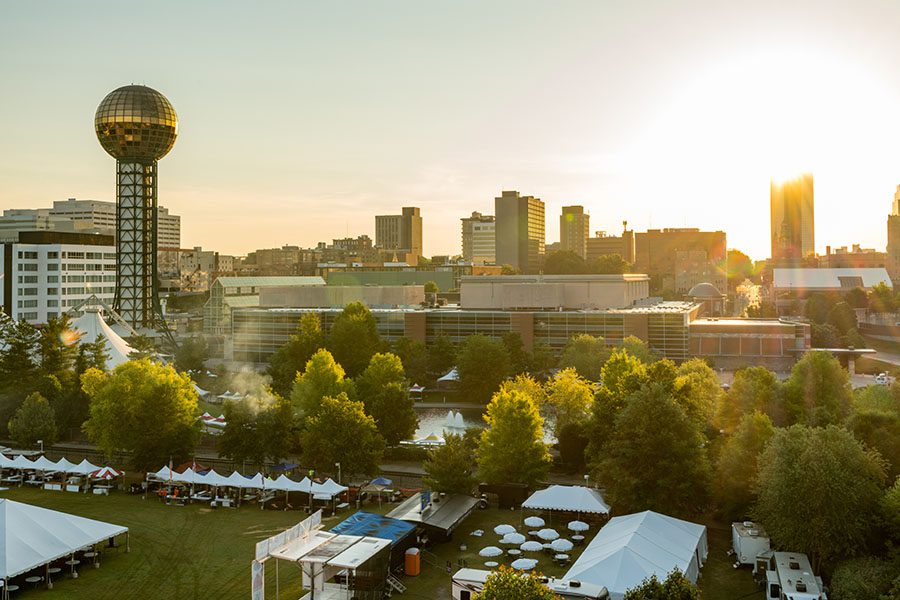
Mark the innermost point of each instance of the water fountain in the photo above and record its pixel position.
(455, 420)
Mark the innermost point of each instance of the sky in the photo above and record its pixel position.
(300, 121)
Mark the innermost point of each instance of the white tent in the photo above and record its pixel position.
(215, 479)
(20, 462)
(631, 548)
(572, 498)
(42, 463)
(31, 537)
(451, 375)
(65, 466)
(92, 327)
(86, 467)
(327, 490)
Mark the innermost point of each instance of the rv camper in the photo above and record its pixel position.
(789, 575)
(468, 582)
(748, 540)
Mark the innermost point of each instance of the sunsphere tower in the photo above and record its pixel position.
(137, 126)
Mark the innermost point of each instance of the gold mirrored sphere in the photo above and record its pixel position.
(136, 122)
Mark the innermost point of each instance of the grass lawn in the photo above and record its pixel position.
(197, 552)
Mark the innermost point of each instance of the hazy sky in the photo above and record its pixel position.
(299, 121)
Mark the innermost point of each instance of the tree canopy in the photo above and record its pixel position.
(512, 449)
(482, 363)
(675, 587)
(353, 338)
(508, 584)
(586, 354)
(737, 464)
(341, 432)
(818, 391)
(570, 399)
(753, 389)
(385, 393)
(322, 377)
(292, 357)
(33, 421)
(451, 468)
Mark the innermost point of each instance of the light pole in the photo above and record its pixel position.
(586, 481)
(338, 465)
(41, 442)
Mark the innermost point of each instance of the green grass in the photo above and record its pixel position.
(196, 552)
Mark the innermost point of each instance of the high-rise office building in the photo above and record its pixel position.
(400, 233)
(893, 238)
(793, 219)
(479, 242)
(603, 245)
(520, 231)
(574, 229)
(676, 259)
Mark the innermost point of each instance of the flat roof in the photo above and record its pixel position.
(828, 279)
(666, 307)
(268, 281)
(443, 512)
(359, 552)
(554, 278)
(712, 321)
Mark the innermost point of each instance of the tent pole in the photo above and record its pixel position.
(127, 542)
(49, 583)
(277, 582)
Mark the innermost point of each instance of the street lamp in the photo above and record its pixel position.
(41, 442)
(586, 480)
(338, 465)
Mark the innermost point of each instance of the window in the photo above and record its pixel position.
(28, 279)
(29, 316)
(28, 291)
(29, 304)
(79, 255)
(52, 291)
(53, 267)
(75, 267)
(52, 303)
(28, 267)
(109, 256)
(76, 278)
(52, 278)
(53, 255)
(31, 255)
(52, 315)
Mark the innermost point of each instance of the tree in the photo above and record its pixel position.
(737, 464)
(142, 347)
(878, 398)
(542, 359)
(529, 386)
(825, 336)
(573, 444)
(882, 299)
(292, 357)
(192, 354)
(385, 393)
(623, 373)
(515, 349)
(609, 264)
(818, 391)
(508, 584)
(740, 267)
(322, 377)
(507, 269)
(864, 578)
(342, 432)
(890, 510)
(675, 587)
(818, 492)
(818, 307)
(570, 399)
(512, 449)
(18, 370)
(857, 298)
(431, 287)
(638, 348)
(451, 468)
(698, 389)
(33, 421)
(482, 364)
(56, 347)
(881, 431)
(564, 262)
(586, 354)
(414, 356)
(353, 338)
(441, 356)
(241, 439)
(655, 458)
(144, 408)
(843, 317)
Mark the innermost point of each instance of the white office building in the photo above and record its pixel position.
(46, 273)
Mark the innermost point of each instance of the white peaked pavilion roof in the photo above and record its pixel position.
(31, 536)
(572, 498)
(92, 327)
(631, 548)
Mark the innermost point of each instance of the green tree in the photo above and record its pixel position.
(573, 444)
(857, 298)
(191, 354)
(322, 377)
(431, 287)
(508, 584)
(586, 354)
(638, 348)
(33, 421)
(292, 357)
(882, 298)
(342, 432)
(881, 431)
(482, 363)
(675, 587)
(441, 356)
(878, 398)
(570, 399)
(890, 510)
(142, 347)
(740, 267)
(353, 338)
(57, 347)
(241, 440)
(818, 391)
(276, 425)
(512, 449)
(529, 386)
(144, 408)
(515, 349)
(18, 370)
(825, 336)
(608, 264)
(385, 393)
(451, 468)
(864, 578)
(542, 359)
(843, 317)
(655, 458)
(509, 270)
(72, 406)
(623, 373)
(564, 262)
(818, 492)
(414, 357)
(818, 307)
(737, 464)
(698, 389)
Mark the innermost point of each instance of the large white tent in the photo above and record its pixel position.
(92, 327)
(571, 498)
(31, 537)
(631, 548)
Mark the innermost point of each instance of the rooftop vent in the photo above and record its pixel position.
(801, 586)
(794, 565)
(574, 583)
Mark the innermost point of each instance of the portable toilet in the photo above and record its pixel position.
(412, 562)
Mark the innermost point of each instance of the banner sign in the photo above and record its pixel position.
(257, 581)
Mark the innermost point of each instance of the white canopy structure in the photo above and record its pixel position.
(92, 327)
(570, 498)
(31, 537)
(631, 548)
(327, 490)
(451, 375)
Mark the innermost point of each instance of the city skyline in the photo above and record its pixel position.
(644, 116)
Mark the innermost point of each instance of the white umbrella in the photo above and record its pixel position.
(547, 534)
(524, 564)
(513, 539)
(534, 522)
(490, 552)
(578, 526)
(531, 546)
(561, 545)
(504, 529)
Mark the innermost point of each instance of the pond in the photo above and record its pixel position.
(438, 420)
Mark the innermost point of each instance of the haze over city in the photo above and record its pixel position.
(299, 122)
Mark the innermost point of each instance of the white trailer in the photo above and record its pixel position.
(466, 583)
(789, 575)
(748, 540)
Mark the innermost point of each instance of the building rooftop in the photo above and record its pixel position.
(268, 281)
(553, 278)
(829, 279)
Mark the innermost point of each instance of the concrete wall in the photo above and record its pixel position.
(328, 296)
(553, 291)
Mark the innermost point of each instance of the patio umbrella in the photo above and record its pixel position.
(524, 564)
(534, 522)
(490, 552)
(561, 545)
(578, 526)
(547, 534)
(504, 529)
(531, 546)
(513, 539)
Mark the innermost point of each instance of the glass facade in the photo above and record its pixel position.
(136, 122)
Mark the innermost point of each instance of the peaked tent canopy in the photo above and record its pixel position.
(572, 498)
(31, 536)
(92, 327)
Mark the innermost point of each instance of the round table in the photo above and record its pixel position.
(54, 570)
(491, 564)
(577, 539)
(34, 580)
(514, 552)
(561, 557)
(532, 533)
(73, 563)
(12, 588)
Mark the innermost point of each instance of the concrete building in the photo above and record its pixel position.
(520, 231)
(893, 238)
(603, 245)
(479, 241)
(792, 220)
(45, 273)
(799, 283)
(560, 292)
(703, 258)
(401, 233)
(338, 296)
(228, 293)
(574, 229)
(855, 257)
(192, 270)
(102, 214)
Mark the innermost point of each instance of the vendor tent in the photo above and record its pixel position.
(85, 467)
(327, 490)
(42, 463)
(631, 548)
(571, 498)
(31, 537)
(65, 466)
(92, 328)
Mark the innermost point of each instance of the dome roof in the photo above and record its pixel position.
(136, 122)
(705, 290)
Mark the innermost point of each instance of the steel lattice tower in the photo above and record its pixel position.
(137, 126)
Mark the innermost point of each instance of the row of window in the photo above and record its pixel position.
(29, 255)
